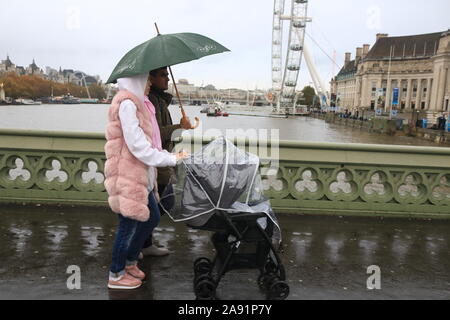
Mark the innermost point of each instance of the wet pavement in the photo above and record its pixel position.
(325, 257)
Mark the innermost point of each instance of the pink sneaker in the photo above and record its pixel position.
(135, 272)
(125, 282)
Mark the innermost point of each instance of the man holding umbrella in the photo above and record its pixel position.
(161, 100)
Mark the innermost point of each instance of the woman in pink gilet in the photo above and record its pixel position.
(133, 151)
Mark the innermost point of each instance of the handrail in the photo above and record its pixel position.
(51, 134)
(290, 144)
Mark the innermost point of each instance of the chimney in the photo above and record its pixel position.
(382, 35)
(359, 52)
(348, 56)
(366, 49)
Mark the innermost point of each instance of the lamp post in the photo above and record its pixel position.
(388, 99)
(447, 124)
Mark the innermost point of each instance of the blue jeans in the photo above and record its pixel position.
(130, 238)
(167, 202)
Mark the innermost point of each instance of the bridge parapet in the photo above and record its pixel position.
(306, 177)
(52, 167)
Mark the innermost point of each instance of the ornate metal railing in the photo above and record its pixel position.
(309, 178)
(52, 167)
(352, 179)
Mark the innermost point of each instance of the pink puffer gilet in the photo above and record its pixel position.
(126, 177)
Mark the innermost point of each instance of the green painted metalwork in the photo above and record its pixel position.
(52, 167)
(304, 177)
(352, 179)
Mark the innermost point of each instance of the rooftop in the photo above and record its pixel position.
(349, 68)
(423, 45)
(33, 66)
(8, 62)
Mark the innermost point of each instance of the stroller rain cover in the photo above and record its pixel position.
(219, 177)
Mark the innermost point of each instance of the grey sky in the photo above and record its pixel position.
(93, 35)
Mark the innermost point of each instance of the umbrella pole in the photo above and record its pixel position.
(178, 93)
(183, 113)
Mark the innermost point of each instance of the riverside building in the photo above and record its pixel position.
(418, 66)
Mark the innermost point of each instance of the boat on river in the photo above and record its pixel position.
(302, 111)
(69, 99)
(216, 110)
(28, 102)
(205, 109)
(90, 101)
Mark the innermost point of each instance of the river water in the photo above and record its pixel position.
(93, 118)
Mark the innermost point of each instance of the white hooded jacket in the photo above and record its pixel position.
(134, 136)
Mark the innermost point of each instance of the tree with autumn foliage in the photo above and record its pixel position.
(33, 87)
(97, 92)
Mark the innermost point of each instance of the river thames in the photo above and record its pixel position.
(93, 118)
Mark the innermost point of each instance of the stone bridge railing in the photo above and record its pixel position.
(309, 178)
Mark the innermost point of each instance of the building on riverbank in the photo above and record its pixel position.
(417, 65)
(62, 76)
(8, 66)
(204, 94)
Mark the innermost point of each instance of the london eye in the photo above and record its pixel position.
(285, 75)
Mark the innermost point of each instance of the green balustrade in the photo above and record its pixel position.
(52, 167)
(298, 177)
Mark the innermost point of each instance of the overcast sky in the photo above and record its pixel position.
(92, 35)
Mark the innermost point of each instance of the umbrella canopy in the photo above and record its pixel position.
(165, 50)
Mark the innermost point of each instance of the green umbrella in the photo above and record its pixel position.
(165, 50)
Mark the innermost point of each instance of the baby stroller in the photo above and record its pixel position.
(219, 189)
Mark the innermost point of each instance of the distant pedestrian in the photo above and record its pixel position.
(441, 122)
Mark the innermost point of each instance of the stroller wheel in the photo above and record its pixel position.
(261, 280)
(265, 280)
(205, 290)
(202, 259)
(279, 290)
(202, 277)
(270, 267)
(202, 266)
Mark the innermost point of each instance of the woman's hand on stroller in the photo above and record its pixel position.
(182, 155)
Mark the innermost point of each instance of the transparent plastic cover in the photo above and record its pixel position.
(218, 177)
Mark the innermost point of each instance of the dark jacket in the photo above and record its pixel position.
(161, 100)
